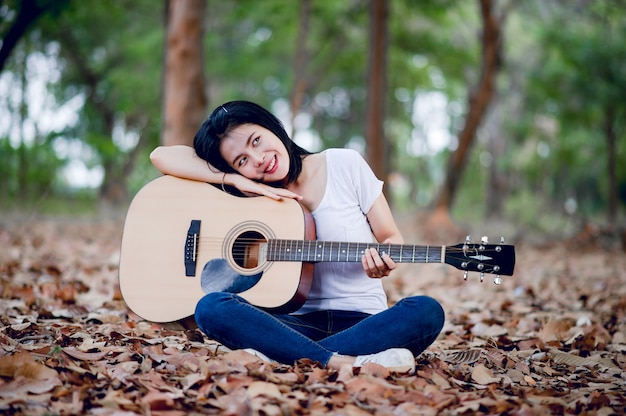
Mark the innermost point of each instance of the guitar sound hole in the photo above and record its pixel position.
(246, 249)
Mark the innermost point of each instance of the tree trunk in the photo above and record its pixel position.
(185, 97)
(611, 147)
(479, 101)
(497, 185)
(300, 62)
(377, 154)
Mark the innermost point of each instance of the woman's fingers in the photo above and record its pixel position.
(376, 265)
(248, 186)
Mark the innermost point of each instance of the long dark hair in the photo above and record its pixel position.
(232, 114)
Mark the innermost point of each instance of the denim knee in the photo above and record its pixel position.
(212, 309)
(427, 311)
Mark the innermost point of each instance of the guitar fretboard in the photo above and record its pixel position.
(335, 251)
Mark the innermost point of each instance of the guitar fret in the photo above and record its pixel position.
(282, 249)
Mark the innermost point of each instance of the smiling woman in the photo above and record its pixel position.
(345, 319)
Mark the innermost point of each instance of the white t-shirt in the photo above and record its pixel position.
(351, 189)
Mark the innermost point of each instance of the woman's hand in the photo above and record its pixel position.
(376, 265)
(250, 187)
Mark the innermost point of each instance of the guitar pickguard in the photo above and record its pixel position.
(218, 276)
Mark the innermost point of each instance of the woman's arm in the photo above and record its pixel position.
(386, 231)
(182, 161)
(382, 222)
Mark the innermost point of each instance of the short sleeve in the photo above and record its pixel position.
(368, 187)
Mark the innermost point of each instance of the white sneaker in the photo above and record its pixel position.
(399, 360)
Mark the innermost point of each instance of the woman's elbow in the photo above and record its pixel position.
(158, 158)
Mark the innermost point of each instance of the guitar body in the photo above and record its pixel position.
(183, 239)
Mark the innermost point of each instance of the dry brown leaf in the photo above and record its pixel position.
(345, 373)
(84, 356)
(464, 356)
(262, 388)
(488, 331)
(555, 330)
(482, 375)
(375, 370)
(22, 364)
(20, 386)
(572, 360)
(440, 380)
(515, 375)
(497, 357)
(369, 385)
(529, 380)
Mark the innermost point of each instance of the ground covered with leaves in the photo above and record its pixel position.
(549, 340)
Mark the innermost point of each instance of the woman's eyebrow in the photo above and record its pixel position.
(250, 137)
(248, 140)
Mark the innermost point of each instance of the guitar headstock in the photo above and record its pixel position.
(498, 259)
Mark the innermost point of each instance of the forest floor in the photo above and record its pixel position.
(550, 340)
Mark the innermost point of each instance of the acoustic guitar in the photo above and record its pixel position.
(183, 239)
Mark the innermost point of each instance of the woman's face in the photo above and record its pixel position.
(256, 153)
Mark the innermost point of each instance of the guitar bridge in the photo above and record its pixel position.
(191, 248)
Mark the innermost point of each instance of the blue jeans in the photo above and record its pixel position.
(413, 323)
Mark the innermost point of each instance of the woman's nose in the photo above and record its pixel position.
(258, 159)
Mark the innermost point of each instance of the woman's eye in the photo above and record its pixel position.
(242, 161)
(255, 141)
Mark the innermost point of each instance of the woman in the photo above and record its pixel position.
(345, 319)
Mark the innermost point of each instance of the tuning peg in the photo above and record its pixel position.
(484, 240)
(468, 240)
(465, 275)
(497, 280)
(499, 248)
(482, 277)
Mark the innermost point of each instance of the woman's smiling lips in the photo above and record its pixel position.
(272, 166)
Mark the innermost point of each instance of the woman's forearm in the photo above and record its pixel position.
(182, 161)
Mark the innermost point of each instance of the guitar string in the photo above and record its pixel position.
(213, 243)
(250, 241)
(254, 241)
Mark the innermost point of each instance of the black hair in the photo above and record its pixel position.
(230, 115)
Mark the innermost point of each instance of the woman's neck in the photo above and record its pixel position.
(311, 182)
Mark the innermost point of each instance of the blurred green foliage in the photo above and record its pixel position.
(563, 72)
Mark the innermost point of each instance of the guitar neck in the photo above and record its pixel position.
(334, 251)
